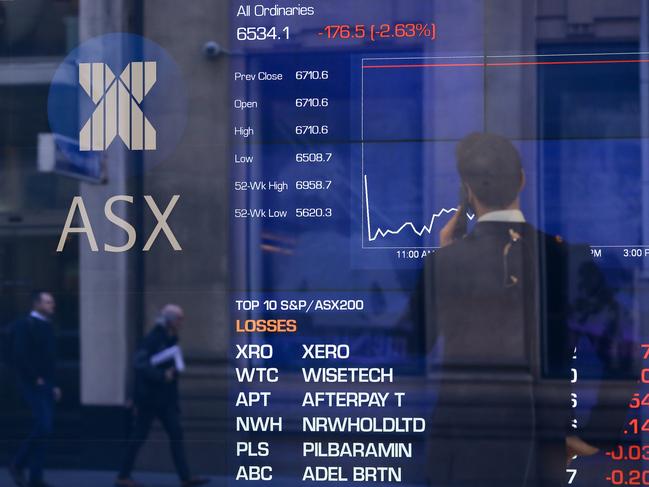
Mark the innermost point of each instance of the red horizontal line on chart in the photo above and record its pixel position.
(506, 64)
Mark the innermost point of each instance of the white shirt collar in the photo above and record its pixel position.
(509, 216)
(39, 316)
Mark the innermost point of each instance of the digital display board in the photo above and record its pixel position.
(347, 120)
(378, 242)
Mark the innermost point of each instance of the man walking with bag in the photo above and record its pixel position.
(156, 396)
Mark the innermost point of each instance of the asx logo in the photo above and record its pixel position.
(118, 106)
(131, 233)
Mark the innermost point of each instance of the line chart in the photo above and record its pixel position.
(372, 235)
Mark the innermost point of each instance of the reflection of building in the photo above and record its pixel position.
(121, 293)
(33, 37)
(107, 300)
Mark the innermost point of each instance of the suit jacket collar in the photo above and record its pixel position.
(38, 316)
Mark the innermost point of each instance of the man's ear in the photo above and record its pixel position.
(523, 180)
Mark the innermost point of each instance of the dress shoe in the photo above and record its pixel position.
(195, 482)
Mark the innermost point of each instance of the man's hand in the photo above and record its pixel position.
(56, 392)
(446, 234)
(170, 374)
(577, 446)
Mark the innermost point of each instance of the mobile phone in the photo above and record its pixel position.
(462, 218)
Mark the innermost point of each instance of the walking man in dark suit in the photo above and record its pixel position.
(156, 396)
(492, 302)
(34, 357)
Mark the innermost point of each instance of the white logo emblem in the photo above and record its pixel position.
(117, 106)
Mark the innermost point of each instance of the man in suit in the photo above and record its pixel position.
(156, 396)
(34, 358)
(490, 302)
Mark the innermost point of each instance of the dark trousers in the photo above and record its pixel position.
(32, 451)
(170, 419)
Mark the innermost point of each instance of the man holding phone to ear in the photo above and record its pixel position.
(489, 301)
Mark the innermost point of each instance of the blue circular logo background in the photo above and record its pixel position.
(164, 106)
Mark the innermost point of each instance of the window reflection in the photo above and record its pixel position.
(38, 27)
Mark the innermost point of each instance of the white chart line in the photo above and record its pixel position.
(384, 233)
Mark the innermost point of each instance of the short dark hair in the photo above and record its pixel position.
(36, 296)
(490, 165)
